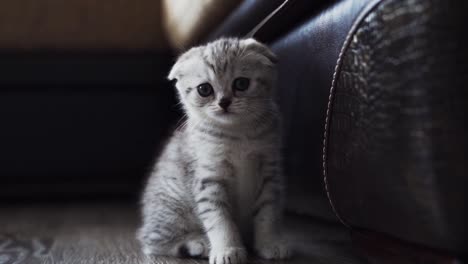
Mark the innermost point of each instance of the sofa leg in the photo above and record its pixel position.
(381, 249)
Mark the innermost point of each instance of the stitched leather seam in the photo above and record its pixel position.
(264, 21)
(360, 18)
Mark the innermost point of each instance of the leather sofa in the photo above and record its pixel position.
(374, 117)
(373, 98)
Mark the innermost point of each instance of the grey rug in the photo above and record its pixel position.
(105, 233)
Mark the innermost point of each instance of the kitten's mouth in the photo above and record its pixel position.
(225, 112)
(225, 116)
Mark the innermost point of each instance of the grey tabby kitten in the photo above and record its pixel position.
(217, 185)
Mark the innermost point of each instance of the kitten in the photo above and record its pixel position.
(217, 184)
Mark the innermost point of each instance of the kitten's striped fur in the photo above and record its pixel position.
(217, 185)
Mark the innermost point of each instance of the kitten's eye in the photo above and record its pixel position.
(205, 89)
(241, 84)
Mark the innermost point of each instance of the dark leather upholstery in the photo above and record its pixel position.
(244, 18)
(397, 145)
(307, 58)
(252, 12)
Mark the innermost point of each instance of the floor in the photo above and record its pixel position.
(104, 233)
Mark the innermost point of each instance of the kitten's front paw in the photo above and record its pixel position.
(228, 255)
(273, 250)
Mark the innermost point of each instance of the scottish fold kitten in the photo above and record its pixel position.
(217, 186)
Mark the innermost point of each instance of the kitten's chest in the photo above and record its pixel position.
(246, 161)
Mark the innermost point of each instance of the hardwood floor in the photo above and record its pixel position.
(104, 233)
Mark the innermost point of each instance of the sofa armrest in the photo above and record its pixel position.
(396, 146)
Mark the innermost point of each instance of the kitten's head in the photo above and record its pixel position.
(228, 81)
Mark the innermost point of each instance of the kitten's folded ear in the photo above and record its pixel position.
(261, 49)
(178, 68)
(174, 73)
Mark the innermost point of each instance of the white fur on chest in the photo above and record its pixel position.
(245, 158)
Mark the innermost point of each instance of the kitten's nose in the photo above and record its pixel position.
(224, 103)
